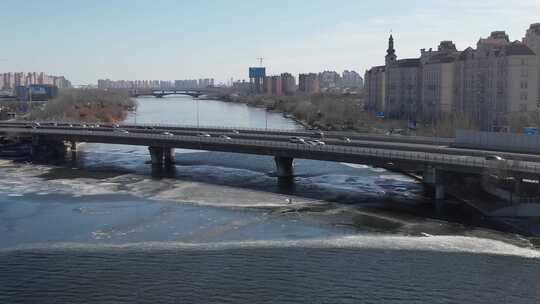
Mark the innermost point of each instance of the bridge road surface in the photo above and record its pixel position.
(404, 143)
(363, 152)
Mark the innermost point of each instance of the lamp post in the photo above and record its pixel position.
(266, 118)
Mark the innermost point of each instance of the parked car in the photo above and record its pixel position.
(202, 134)
(235, 132)
(346, 139)
(225, 137)
(121, 131)
(316, 142)
(167, 133)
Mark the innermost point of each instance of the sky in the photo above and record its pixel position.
(86, 40)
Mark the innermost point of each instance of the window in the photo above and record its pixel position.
(524, 85)
(523, 107)
(524, 96)
(524, 73)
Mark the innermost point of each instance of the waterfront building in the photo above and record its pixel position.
(375, 88)
(485, 84)
(532, 40)
(272, 85)
(288, 83)
(308, 83)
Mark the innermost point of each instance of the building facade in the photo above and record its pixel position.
(485, 84)
(288, 83)
(11, 80)
(309, 83)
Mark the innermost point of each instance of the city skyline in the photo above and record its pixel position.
(135, 41)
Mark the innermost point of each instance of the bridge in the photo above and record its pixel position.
(433, 160)
(162, 93)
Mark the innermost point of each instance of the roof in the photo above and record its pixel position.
(518, 48)
(464, 55)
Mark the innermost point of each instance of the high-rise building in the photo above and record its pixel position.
(351, 79)
(329, 80)
(288, 83)
(309, 83)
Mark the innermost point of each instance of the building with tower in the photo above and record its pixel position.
(485, 84)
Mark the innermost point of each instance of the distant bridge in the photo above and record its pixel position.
(163, 93)
(432, 158)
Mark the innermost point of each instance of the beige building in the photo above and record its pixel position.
(485, 84)
(497, 78)
(438, 75)
(374, 87)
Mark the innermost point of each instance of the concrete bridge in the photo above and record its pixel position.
(433, 160)
(163, 93)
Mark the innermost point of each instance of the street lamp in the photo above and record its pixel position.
(266, 118)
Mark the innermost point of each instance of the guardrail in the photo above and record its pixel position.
(284, 132)
(350, 151)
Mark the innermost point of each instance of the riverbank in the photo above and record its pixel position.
(343, 112)
(86, 106)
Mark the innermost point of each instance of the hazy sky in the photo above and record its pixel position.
(176, 39)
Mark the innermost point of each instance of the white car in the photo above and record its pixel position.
(204, 135)
(297, 140)
(316, 142)
(167, 133)
(225, 137)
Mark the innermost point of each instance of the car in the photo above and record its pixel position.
(167, 133)
(318, 134)
(202, 134)
(297, 140)
(115, 126)
(225, 137)
(346, 139)
(235, 132)
(121, 131)
(494, 157)
(316, 142)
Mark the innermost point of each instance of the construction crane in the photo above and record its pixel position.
(260, 59)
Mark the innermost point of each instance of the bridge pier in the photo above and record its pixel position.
(160, 156)
(284, 166)
(168, 156)
(43, 149)
(435, 178)
(156, 156)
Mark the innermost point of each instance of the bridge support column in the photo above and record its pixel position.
(284, 166)
(168, 156)
(156, 156)
(440, 192)
(73, 145)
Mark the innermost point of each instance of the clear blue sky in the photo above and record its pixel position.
(176, 39)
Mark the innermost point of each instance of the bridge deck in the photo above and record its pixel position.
(364, 152)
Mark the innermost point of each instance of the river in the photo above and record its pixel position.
(220, 228)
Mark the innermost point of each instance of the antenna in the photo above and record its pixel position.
(260, 59)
